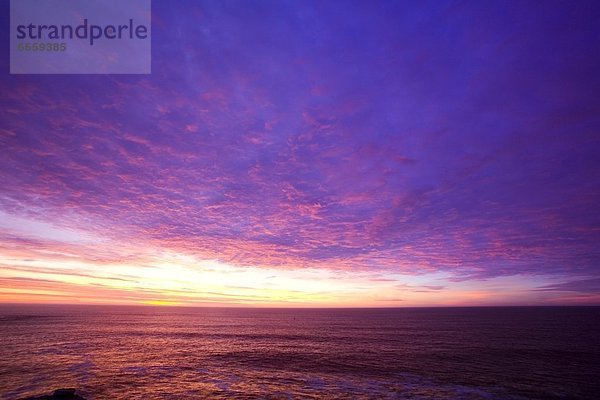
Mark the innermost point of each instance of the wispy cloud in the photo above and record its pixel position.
(583, 286)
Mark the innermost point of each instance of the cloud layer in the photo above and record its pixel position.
(392, 138)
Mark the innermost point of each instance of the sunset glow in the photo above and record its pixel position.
(280, 156)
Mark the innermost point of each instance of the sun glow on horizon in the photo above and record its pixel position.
(61, 271)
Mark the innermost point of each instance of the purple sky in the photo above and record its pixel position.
(368, 138)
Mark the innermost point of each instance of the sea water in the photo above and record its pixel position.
(122, 352)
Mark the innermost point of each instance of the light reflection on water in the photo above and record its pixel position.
(186, 353)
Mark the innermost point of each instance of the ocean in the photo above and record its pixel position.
(122, 352)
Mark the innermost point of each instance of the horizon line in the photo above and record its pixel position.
(300, 308)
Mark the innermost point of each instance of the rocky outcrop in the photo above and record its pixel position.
(59, 394)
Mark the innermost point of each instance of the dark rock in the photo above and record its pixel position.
(59, 394)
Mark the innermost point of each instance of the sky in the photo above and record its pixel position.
(314, 154)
